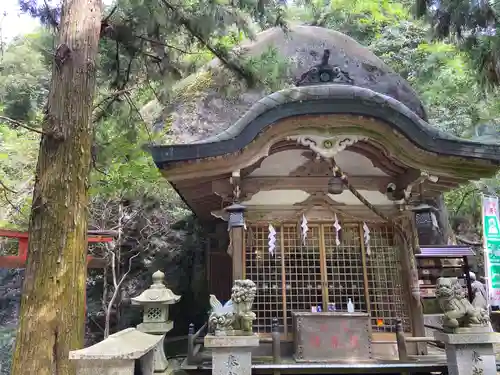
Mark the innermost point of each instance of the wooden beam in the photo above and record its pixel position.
(318, 200)
(251, 185)
(311, 184)
(402, 182)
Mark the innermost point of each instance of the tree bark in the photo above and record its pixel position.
(444, 221)
(52, 314)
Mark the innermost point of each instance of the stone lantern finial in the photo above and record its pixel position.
(155, 301)
(158, 278)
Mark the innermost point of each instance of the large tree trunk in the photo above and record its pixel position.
(53, 302)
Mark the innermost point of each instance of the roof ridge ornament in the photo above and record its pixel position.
(324, 73)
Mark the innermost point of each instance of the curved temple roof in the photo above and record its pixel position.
(321, 100)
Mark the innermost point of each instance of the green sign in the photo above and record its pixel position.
(491, 231)
(493, 251)
(495, 276)
(491, 228)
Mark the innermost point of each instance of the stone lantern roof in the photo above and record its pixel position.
(157, 293)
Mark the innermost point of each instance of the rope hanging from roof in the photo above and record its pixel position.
(397, 226)
(408, 243)
(357, 194)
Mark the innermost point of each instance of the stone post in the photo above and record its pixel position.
(470, 351)
(231, 354)
(155, 301)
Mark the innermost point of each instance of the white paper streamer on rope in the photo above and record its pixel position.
(305, 229)
(272, 239)
(366, 235)
(337, 227)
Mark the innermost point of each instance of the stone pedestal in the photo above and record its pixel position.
(470, 352)
(117, 355)
(231, 355)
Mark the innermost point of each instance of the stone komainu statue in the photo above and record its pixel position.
(221, 316)
(236, 316)
(458, 311)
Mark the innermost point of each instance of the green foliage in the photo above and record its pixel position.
(18, 155)
(364, 20)
(439, 72)
(269, 68)
(473, 26)
(24, 77)
(124, 167)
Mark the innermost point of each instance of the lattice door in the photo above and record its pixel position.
(303, 276)
(385, 280)
(344, 267)
(267, 272)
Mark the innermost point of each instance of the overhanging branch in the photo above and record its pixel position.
(223, 57)
(21, 125)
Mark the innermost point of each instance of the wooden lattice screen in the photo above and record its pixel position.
(318, 272)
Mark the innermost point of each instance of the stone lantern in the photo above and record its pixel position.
(155, 301)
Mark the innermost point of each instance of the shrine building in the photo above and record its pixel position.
(322, 192)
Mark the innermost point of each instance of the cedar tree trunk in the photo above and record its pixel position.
(52, 315)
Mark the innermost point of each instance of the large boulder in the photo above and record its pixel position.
(209, 101)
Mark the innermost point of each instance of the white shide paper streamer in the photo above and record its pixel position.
(337, 227)
(366, 235)
(272, 239)
(305, 229)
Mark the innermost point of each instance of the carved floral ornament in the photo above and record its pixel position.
(327, 147)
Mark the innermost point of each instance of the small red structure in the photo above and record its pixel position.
(19, 260)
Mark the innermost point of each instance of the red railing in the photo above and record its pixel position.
(19, 260)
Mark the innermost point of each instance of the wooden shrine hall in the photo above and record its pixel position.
(323, 192)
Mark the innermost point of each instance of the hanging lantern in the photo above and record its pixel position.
(425, 217)
(335, 185)
(236, 216)
(427, 224)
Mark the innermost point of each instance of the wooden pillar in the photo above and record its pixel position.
(237, 244)
(236, 227)
(409, 265)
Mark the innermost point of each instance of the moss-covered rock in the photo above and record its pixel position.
(212, 99)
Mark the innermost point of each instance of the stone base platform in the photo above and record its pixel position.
(289, 366)
(231, 354)
(470, 351)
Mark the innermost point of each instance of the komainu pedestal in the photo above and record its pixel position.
(231, 354)
(470, 352)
